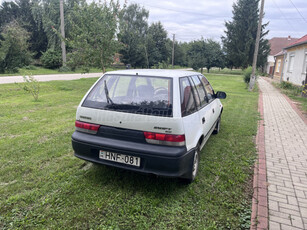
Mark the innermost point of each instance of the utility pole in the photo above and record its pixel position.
(173, 52)
(62, 33)
(253, 76)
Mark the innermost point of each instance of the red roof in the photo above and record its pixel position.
(277, 44)
(279, 54)
(300, 41)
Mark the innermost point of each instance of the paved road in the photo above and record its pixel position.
(51, 77)
(286, 161)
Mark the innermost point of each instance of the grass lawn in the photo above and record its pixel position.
(42, 185)
(224, 71)
(293, 92)
(34, 70)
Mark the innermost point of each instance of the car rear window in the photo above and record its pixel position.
(132, 94)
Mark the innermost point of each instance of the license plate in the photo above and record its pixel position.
(120, 158)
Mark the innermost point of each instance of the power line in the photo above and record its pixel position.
(298, 11)
(186, 12)
(283, 15)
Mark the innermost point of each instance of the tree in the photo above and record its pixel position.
(47, 14)
(133, 29)
(197, 54)
(9, 11)
(265, 51)
(21, 11)
(239, 42)
(14, 46)
(93, 34)
(214, 55)
(180, 53)
(156, 44)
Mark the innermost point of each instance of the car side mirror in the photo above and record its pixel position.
(220, 95)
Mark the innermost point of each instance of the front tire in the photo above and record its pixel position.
(217, 126)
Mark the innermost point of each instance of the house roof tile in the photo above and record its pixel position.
(277, 44)
(300, 41)
(279, 54)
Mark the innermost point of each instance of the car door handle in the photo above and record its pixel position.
(212, 110)
(203, 120)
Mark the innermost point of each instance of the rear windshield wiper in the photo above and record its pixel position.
(109, 100)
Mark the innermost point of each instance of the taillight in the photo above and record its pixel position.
(164, 139)
(86, 127)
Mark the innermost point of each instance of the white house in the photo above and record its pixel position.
(295, 62)
(277, 44)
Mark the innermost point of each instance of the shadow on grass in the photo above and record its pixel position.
(121, 179)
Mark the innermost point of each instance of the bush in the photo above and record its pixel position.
(286, 85)
(12, 70)
(30, 85)
(51, 59)
(30, 67)
(292, 90)
(247, 74)
(64, 69)
(14, 46)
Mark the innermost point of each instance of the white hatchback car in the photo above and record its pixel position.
(151, 121)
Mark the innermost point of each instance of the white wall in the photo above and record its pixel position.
(295, 72)
(270, 62)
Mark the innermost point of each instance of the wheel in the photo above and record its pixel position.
(194, 168)
(217, 126)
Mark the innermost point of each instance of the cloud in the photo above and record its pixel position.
(192, 19)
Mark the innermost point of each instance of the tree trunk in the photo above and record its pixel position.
(63, 47)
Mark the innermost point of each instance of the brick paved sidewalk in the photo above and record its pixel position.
(285, 144)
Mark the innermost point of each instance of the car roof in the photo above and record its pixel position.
(155, 72)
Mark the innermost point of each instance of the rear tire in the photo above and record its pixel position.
(194, 167)
(217, 126)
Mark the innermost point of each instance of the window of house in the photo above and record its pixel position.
(305, 63)
(278, 66)
(291, 63)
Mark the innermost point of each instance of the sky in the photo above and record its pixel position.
(192, 19)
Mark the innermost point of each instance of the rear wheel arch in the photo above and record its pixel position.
(200, 141)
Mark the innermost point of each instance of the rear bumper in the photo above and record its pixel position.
(155, 159)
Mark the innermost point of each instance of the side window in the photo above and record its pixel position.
(195, 93)
(208, 88)
(200, 90)
(186, 97)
